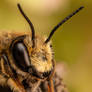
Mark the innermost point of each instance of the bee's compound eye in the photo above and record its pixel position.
(20, 55)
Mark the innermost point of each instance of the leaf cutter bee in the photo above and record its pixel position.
(27, 59)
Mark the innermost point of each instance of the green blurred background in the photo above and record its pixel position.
(72, 42)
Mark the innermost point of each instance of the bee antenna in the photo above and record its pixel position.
(29, 22)
(62, 22)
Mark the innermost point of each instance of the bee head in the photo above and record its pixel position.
(33, 54)
(37, 60)
(42, 56)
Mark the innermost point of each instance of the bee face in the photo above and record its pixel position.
(41, 56)
(38, 60)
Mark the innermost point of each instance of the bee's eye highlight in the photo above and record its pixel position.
(21, 56)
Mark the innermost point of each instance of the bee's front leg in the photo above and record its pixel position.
(8, 80)
(13, 84)
(50, 86)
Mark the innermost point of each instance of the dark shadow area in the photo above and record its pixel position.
(5, 89)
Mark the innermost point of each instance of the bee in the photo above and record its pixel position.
(27, 59)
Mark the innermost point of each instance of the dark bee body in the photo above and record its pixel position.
(26, 59)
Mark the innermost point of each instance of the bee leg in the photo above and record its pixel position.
(3, 79)
(7, 79)
(51, 83)
(15, 86)
(50, 86)
(50, 79)
(3, 76)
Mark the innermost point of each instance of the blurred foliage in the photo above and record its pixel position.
(72, 42)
